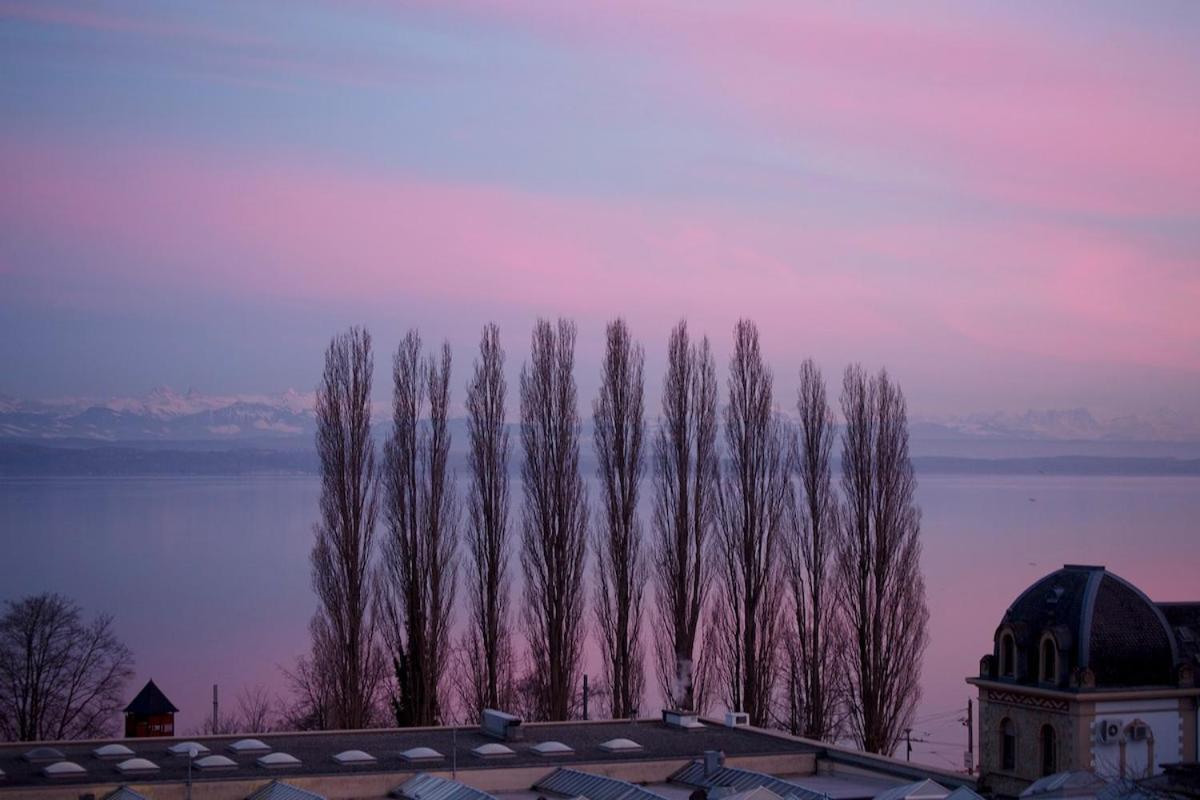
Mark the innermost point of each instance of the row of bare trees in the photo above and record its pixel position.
(777, 594)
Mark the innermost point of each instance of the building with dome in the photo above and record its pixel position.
(1087, 673)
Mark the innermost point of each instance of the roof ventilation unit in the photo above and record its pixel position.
(112, 751)
(243, 747)
(501, 725)
(684, 720)
(736, 719)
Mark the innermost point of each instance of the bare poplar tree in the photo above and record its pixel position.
(618, 416)
(417, 575)
(60, 677)
(754, 502)
(554, 518)
(685, 474)
(815, 640)
(487, 644)
(882, 591)
(344, 641)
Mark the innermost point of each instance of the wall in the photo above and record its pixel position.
(1165, 722)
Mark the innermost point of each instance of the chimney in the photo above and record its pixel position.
(684, 720)
(713, 761)
(500, 725)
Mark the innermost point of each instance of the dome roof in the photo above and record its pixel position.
(1099, 622)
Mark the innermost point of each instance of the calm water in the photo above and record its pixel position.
(208, 578)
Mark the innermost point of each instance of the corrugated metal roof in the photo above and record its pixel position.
(424, 786)
(920, 790)
(741, 779)
(576, 783)
(278, 790)
(124, 793)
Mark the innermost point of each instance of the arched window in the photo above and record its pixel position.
(1008, 744)
(1049, 660)
(1049, 751)
(1008, 655)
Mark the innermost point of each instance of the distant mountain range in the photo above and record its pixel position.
(165, 415)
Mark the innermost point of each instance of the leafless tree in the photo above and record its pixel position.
(418, 573)
(312, 690)
(487, 643)
(685, 474)
(815, 639)
(882, 591)
(60, 677)
(344, 640)
(618, 416)
(754, 502)
(256, 711)
(554, 518)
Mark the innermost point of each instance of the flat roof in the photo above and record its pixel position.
(316, 750)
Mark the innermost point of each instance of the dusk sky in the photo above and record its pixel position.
(1002, 206)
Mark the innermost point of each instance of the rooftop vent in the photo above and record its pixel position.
(493, 750)
(187, 748)
(501, 725)
(352, 757)
(137, 766)
(684, 720)
(621, 746)
(41, 755)
(112, 751)
(417, 755)
(552, 749)
(247, 747)
(713, 761)
(64, 769)
(736, 719)
(278, 761)
(215, 762)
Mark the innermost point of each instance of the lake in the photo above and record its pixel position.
(208, 578)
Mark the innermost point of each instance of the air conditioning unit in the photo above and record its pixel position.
(736, 719)
(1139, 732)
(1108, 731)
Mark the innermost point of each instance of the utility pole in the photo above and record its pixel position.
(970, 738)
(908, 743)
(215, 717)
(585, 696)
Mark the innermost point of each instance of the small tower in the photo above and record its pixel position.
(150, 714)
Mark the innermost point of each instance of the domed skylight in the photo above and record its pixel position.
(552, 749)
(246, 746)
(620, 746)
(64, 769)
(112, 751)
(493, 750)
(137, 766)
(421, 754)
(351, 757)
(278, 761)
(39, 754)
(183, 748)
(215, 762)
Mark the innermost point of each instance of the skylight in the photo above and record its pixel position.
(493, 750)
(137, 766)
(245, 746)
(552, 749)
(38, 754)
(278, 761)
(215, 762)
(421, 754)
(620, 746)
(351, 757)
(64, 769)
(108, 751)
(183, 748)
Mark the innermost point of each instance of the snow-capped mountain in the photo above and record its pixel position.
(162, 414)
(1071, 424)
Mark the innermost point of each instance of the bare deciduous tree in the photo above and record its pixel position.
(487, 645)
(417, 575)
(685, 474)
(816, 639)
(618, 416)
(344, 641)
(256, 711)
(60, 677)
(554, 518)
(882, 591)
(754, 502)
